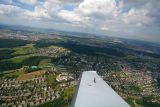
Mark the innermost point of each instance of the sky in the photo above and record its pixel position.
(136, 19)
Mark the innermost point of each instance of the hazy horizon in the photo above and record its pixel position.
(116, 18)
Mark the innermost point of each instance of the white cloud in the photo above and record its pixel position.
(38, 13)
(69, 16)
(92, 15)
(98, 9)
(44, 11)
(101, 7)
(139, 16)
(10, 10)
(104, 28)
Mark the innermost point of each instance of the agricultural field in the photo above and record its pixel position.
(31, 75)
(12, 73)
(26, 49)
(19, 59)
(44, 62)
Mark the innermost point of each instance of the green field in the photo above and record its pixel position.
(51, 79)
(26, 49)
(19, 59)
(17, 54)
(44, 62)
(12, 73)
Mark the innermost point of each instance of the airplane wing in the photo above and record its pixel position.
(93, 91)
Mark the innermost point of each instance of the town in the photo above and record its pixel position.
(42, 69)
(35, 88)
(135, 85)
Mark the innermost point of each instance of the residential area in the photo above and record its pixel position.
(134, 84)
(35, 88)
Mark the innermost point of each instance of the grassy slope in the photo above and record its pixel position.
(19, 59)
(20, 53)
(12, 73)
(28, 48)
(44, 62)
(23, 53)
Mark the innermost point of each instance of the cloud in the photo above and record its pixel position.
(137, 16)
(10, 10)
(70, 16)
(98, 7)
(104, 28)
(124, 18)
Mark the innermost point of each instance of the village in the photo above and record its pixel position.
(35, 88)
(52, 51)
(134, 84)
